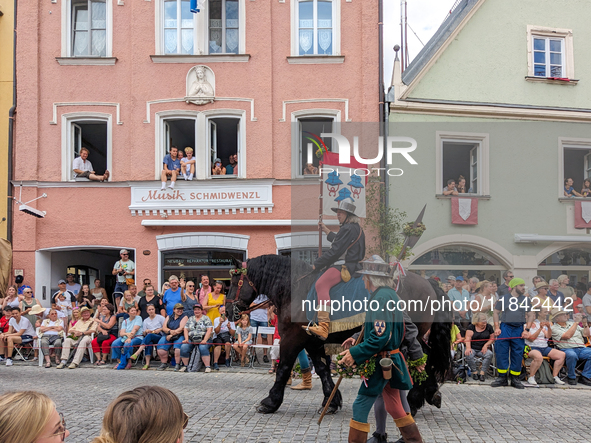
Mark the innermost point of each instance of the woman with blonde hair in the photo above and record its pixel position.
(30, 417)
(148, 414)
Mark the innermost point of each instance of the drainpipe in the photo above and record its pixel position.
(382, 105)
(11, 115)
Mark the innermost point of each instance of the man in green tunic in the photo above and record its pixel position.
(383, 334)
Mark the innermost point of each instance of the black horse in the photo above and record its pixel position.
(286, 281)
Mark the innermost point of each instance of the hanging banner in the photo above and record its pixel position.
(464, 211)
(582, 214)
(343, 182)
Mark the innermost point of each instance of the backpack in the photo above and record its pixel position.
(544, 375)
(195, 361)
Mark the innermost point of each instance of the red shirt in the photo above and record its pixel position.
(4, 324)
(276, 333)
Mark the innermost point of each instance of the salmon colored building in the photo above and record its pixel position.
(130, 79)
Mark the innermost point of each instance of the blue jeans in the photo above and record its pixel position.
(149, 341)
(163, 343)
(187, 348)
(120, 288)
(256, 324)
(573, 355)
(123, 351)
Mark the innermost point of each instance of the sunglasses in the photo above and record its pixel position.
(62, 428)
(125, 255)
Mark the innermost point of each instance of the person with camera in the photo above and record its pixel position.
(173, 329)
(570, 338)
(124, 269)
(198, 331)
(223, 331)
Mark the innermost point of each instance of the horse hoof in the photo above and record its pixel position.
(264, 409)
(330, 411)
(436, 400)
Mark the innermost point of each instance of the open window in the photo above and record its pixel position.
(309, 130)
(92, 135)
(224, 141)
(577, 166)
(179, 133)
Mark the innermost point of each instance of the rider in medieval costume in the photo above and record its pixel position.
(383, 336)
(344, 255)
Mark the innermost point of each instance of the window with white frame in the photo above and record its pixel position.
(178, 27)
(88, 28)
(576, 166)
(548, 57)
(308, 141)
(550, 53)
(92, 133)
(315, 27)
(224, 144)
(463, 158)
(223, 27)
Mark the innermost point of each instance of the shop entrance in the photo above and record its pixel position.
(193, 263)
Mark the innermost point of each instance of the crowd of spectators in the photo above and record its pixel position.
(547, 323)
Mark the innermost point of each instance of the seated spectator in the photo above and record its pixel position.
(223, 331)
(172, 296)
(83, 168)
(147, 282)
(130, 337)
(20, 329)
(569, 191)
(51, 333)
(232, 168)
(85, 298)
(486, 300)
(462, 186)
(539, 333)
(74, 319)
(587, 301)
(198, 331)
(106, 332)
(126, 302)
(456, 338)
(30, 417)
(217, 168)
(12, 299)
(152, 326)
(27, 304)
(5, 319)
(450, 189)
(171, 167)
(569, 337)
(578, 301)
(244, 337)
(541, 301)
(101, 305)
(174, 328)
(97, 292)
(310, 169)
(586, 191)
(188, 164)
(151, 299)
(145, 414)
(79, 336)
(479, 339)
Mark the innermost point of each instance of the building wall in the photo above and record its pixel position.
(99, 214)
(6, 85)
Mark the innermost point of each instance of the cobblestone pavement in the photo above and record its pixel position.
(221, 407)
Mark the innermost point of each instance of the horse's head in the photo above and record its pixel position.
(242, 292)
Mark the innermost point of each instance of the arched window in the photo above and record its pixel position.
(574, 262)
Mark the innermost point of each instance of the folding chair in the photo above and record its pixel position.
(39, 346)
(25, 348)
(252, 349)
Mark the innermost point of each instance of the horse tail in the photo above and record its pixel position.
(440, 337)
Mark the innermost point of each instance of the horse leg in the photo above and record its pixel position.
(288, 353)
(322, 366)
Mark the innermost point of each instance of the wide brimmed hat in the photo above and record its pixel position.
(345, 206)
(376, 266)
(84, 308)
(556, 312)
(541, 284)
(36, 310)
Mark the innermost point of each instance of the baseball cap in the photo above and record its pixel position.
(61, 281)
(460, 278)
(198, 305)
(451, 278)
(179, 305)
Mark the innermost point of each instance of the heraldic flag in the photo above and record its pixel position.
(464, 211)
(582, 214)
(340, 182)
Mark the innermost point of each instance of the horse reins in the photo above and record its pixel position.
(262, 305)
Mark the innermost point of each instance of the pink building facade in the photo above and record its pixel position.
(129, 79)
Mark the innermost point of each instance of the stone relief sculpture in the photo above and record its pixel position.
(200, 85)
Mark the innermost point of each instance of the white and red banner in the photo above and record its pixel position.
(340, 182)
(582, 214)
(464, 211)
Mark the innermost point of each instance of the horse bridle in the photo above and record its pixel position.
(244, 277)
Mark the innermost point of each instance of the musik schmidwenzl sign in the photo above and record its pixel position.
(202, 198)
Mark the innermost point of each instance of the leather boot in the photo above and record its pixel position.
(516, 383)
(409, 429)
(378, 438)
(288, 381)
(358, 432)
(501, 380)
(306, 383)
(320, 330)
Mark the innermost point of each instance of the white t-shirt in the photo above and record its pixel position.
(136, 299)
(127, 266)
(65, 306)
(541, 341)
(223, 327)
(48, 322)
(259, 314)
(75, 288)
(23, 324)
(82, 165)
(152, 325)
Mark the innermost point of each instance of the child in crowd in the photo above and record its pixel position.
(586, 191)
(244, 338)
(188, 164)
(456, 337)
(64, 305)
